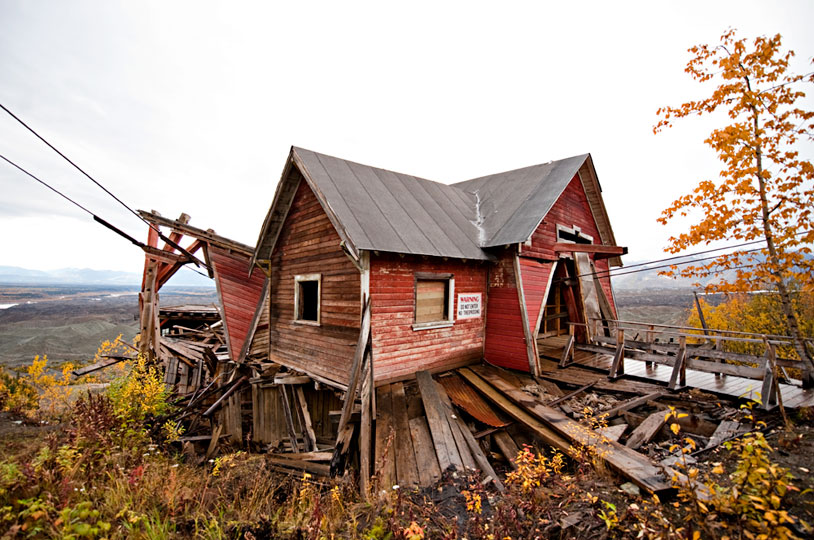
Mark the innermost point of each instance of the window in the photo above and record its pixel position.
(573, 236)
(433, 300)
(307, 289)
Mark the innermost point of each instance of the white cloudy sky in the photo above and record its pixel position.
(192, 106)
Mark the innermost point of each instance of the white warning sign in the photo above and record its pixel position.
(469, 305)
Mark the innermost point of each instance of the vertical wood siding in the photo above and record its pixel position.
(505, 339)
(239, 294)
(309, 244)
(398, 350)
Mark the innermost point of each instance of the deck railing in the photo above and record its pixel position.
(689, 347)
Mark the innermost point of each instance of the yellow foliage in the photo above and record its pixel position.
(764, 192)
(140, 393)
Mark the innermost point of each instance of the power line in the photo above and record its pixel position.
(96, 218)
(608, 273)
(73, 202)
(80, 169)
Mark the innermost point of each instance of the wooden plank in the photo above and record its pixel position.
(725, 430)
(645, 431)
(477, 453)
(551, 425)
(289, 419)
(353, 382)
(611, 251)
(308, 428)
(365, 442)
(428, 472)
(631, 404)
(385, 438)
(307, 456)
(443, 440)
(507, 446)
(613, 433)
(406, 464)
(460, 441)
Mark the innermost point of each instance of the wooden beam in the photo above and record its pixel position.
(551, 425)
(209, 236)
(609, 251)
(442, 437)
(645, 431)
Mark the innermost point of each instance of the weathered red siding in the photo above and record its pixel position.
(309, 244)
(505, 339)
(239, 294)
(398, 350)
(535, 278)
(571, 209)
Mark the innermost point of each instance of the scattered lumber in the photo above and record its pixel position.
(725, 431)
(442, 436)
(645, 431)
(632, 404)
(560, 431)
(507, 446)
(613, 433)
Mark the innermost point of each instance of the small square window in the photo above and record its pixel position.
(433, 299)
(307, 298)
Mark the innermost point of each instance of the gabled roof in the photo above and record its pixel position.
(379, 210)
(513, 203)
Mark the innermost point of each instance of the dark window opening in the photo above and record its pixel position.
(575, 237)
(307, 300)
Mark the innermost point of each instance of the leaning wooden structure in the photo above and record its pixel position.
(365, 283)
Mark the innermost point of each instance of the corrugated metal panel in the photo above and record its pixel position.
(513, 203)
(239, 294)
(386, 211)
(379, 210)
(465, 397)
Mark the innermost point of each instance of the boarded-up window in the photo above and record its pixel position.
(307, 298)
(432, 300)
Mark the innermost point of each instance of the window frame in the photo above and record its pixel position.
(298, 279)
(433, 276)
(573, 231)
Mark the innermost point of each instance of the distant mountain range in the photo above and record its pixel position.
(14, 275)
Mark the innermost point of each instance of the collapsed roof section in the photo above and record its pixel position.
(379, 210)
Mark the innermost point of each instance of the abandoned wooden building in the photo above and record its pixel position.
(365, 282)
(454, 273)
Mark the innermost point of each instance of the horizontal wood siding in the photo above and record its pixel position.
(309, 244)
(239, 294)
(398, 350)
(571, 209)
(505, 339)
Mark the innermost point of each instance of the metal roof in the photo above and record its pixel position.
(382, 210)
(379, 210)
(513, 203)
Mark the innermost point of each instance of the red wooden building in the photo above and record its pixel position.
(454, 273)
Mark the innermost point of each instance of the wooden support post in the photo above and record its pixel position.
(568, 352)
(618, 366)
(768, 392)
(678, 379)
(305, 416)
(649, 337)
(365, 427)
(289, 419)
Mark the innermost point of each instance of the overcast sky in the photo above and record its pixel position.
(193, 106)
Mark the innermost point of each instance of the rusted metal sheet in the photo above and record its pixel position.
(465, 397)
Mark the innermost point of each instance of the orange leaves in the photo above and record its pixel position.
(765, 187)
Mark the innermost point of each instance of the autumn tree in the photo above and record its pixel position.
(765, 189)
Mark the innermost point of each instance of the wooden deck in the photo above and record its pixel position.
(793, 395)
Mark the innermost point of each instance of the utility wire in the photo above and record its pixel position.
(70, 200)
(80, 169)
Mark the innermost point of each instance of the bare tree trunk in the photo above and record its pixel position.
(780, 282)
